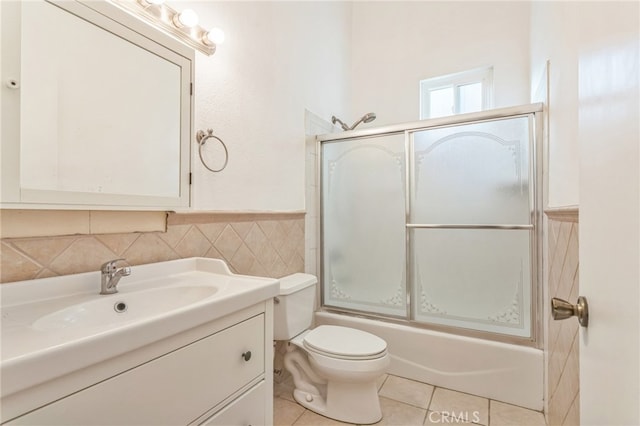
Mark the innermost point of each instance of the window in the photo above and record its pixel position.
(467, 91)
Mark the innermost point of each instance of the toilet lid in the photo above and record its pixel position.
(344, 342)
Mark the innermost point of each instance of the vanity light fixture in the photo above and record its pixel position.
(181, 25)
(187, 18)
(214, 36)
(146, 3)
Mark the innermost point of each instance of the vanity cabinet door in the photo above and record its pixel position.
(247, 410)
(174, 389)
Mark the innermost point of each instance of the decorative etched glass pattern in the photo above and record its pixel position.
(471, 275)
(470, 278)
(472, 174)
(363, 225)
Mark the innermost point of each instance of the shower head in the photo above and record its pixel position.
(367, 118)
(344, 126)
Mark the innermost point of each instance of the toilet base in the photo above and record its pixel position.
(347, 402)
(340, 389)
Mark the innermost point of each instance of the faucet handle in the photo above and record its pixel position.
(110, 266)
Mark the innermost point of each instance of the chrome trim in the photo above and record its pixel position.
(202, 138)
(319, 221)
(110, 275)
(459, 226)
(469, 118)
(409, 178)
(120, 307)
(534, 113)
(537, 194)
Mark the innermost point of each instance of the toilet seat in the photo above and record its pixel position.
(344, 343)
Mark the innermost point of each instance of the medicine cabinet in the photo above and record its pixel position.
(96, 109)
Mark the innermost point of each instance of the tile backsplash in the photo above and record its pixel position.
(264, 244)
(562, 352)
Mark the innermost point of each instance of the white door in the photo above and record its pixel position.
(609, 114)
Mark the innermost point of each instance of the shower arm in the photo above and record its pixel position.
(367, 118)
(357, 122)
(335, 119)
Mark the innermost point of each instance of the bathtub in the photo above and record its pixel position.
(500, 371)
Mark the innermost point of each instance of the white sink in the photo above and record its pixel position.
(124, 307)
(50, 321)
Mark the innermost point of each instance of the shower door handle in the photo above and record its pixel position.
(561, 309)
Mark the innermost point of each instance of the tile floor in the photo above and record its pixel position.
(407, 403)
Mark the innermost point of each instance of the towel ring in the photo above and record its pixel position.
(201, 138)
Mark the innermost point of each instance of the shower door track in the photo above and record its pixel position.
(509, 112)
(449, 329)
(536, 219)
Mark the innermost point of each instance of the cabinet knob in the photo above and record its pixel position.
(246, 355)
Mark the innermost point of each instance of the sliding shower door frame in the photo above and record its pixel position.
(534, 114)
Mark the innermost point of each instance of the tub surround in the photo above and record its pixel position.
(252, 243)
(563, 340)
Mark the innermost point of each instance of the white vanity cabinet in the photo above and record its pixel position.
(222, 377)
(246, 410)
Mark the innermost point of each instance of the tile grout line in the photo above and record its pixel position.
(555, 293)
(564, 364)
(97, 238)
(577, 395)
(171, 249)
(23, 253)
(299, 417)
(228, 260)
(431, 399)
(184, 236)
(490, 402)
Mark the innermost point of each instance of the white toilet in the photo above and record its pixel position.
(334, 369)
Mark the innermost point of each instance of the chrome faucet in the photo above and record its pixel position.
(111, 275)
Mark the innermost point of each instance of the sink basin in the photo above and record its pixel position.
(48, 322)
(124, 307)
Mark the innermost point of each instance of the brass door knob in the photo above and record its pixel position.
(561, 309)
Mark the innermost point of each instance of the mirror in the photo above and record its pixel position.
(99, 113)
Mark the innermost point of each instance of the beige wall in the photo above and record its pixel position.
(256, 244)
(562, 343)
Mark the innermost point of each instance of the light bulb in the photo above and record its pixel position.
(214, 36)
(187, 18)
(147, 3)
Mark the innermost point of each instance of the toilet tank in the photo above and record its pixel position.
(294, 306)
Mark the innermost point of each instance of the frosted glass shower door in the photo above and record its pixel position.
(363, 225)
(471, 226)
